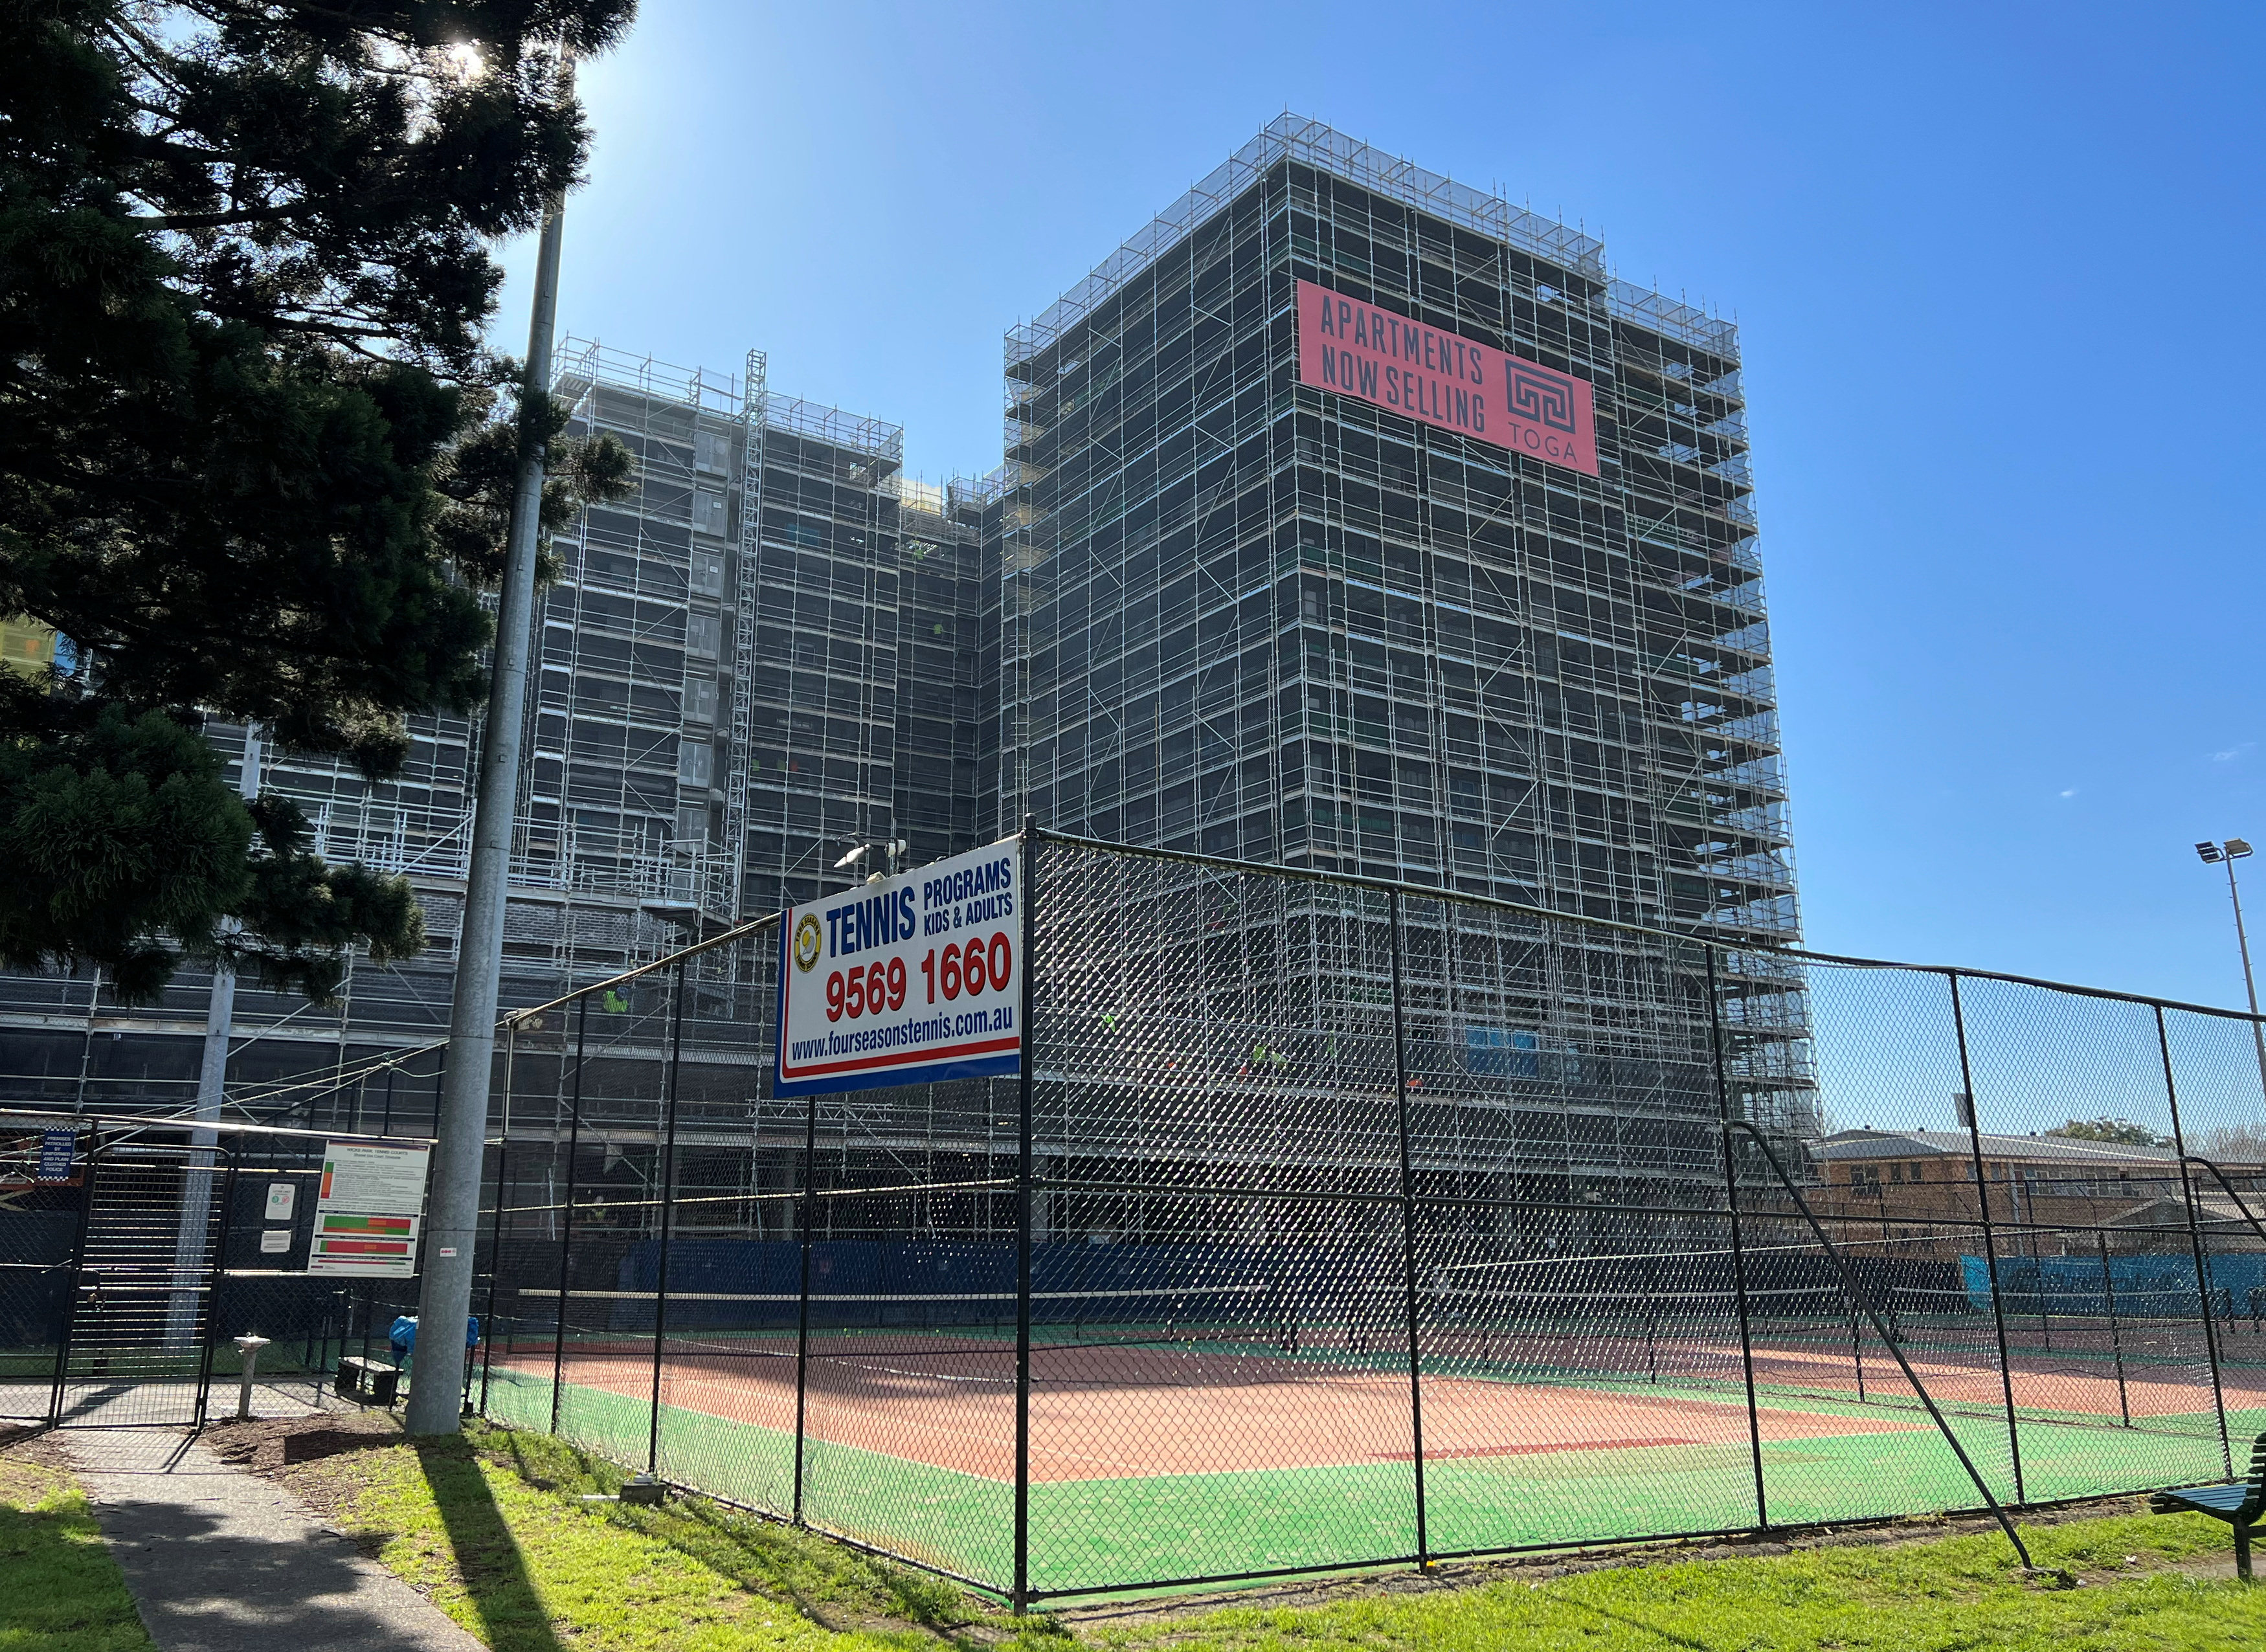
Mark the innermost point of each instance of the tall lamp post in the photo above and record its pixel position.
(2226, 854)
(444, 1296)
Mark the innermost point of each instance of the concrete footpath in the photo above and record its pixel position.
(220, 1560)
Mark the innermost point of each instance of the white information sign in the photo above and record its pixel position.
(368, 1209)
(914, 978)
(281, 1197)
(273, 1241)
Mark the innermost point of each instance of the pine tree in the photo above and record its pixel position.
(248, 461)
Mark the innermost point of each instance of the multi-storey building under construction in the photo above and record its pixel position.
(1356, 520)
(1349, 519)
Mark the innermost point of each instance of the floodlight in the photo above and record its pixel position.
(2226, 854)
(851, 859)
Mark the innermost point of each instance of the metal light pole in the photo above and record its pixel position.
(2226, 854)
(193, 1233)
(444, 1300)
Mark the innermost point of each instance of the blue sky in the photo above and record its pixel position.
(1998, 270)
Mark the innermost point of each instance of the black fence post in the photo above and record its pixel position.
(495, 1256)
(1990, 1233)
(807, 1210)
(215, 1275)
(77, 1272)
(1738, 1238)
(2195, 1243)
(1026, 1044)
(566, 1216)
(668, 1183)
(1849, 1290)
(2115, 1338)
(1407, 1224)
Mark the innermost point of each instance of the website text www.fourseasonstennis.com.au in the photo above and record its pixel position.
(932, 1030)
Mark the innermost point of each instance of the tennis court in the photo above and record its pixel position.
(1359, 1225)
(1171, 1451)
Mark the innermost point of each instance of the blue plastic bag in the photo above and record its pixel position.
(403, 1336)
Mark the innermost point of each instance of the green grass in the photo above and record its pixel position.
(490, 1527)
(1957, 1593)
(60, 1590)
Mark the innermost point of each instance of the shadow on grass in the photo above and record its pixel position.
(833, 1586)
(512, 1615)
(64, 1593)
(1668, 1636)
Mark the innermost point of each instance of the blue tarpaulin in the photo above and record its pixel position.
(2164, 1282)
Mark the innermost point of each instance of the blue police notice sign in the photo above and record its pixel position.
(905, 980)
(56, 1148)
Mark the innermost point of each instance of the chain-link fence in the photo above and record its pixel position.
(1331, 1223)
(1335, 1223)
(134, 1251)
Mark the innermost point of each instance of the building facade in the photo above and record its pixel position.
(1216, 599)
(1357, 521)
(1254, 617)
(764, 657)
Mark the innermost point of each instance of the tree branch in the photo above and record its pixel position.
(179, 221)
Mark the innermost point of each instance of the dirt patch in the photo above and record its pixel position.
(266, 1445)
(2218, 1567)
(37, 1446)
(321, 1442)
(311, 1456)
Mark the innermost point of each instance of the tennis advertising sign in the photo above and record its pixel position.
(914, 978)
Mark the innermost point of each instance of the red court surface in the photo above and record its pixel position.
(2080, 1379)
(2080, 1375)
(2165, 1373)
(1129, 1412)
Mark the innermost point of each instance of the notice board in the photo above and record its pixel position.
(368, 1209)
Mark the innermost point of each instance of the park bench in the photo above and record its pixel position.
(2240, 1504)
(370, 1382)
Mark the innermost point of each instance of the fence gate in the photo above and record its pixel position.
(137, 1344)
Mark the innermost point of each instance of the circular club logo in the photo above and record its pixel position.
(806, 943)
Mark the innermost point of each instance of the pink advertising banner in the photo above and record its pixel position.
(1444, 379)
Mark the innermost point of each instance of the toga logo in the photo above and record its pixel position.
(806, 943)
(1544, 396)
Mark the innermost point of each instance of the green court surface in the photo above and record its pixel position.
(1095, 1533)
